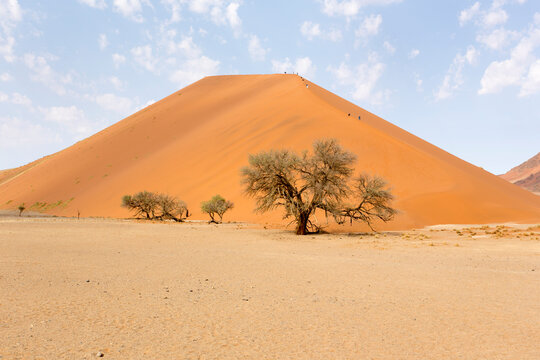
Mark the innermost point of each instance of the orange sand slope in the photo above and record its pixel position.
(193, 143)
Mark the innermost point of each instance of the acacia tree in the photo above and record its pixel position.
(156, 206)
(143, 203)
(301, 184)
(217, 205)
(171, 208)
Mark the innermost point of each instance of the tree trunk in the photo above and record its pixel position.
(301, 225)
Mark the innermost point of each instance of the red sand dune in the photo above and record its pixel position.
(193, 143)
(526, 175)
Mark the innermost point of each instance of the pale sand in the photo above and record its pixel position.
(69, 289)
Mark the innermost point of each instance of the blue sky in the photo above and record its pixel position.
(463, 75)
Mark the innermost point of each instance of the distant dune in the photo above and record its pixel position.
(193, 143)
(526, 175)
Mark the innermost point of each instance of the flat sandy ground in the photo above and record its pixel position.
(135, 290)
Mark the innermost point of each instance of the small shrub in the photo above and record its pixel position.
(217, 205)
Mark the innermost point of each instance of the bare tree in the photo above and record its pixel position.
(303, 184)
(217, 205)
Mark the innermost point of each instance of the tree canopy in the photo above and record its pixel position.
(301, 184)
(217, 205)
(156, 206)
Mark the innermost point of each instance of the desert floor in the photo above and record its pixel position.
(134, 290)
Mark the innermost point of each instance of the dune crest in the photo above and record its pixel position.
(193, 143)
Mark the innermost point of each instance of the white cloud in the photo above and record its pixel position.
(203, 6)
(116, 82)
(144, 57)
(282, 66)
(333, 35)
(453, 79)
(256, 51)
(468, 14)
(419, 82)
(43, 73)
(15, 98)
(5, 77)
(10, 15)
(531, 84)
(98, 4)
(7, 44)
(188, 48)
(414, 53)
(312, 30)
(363, 79)
(145, 105)
(221, 12)
(303, 66)
(471, 55)
(491, 17)
(498, 39)
(118, 60)
(20, 99)
(112, 102)
(63, 115)
(175, 7)
(232, 15)
(189, 64)
(16, 133)
(70, 119)
(518, 70)
(495, 17)
(370, 26)
(129, 8)
(500, 74)
(389, 48)
(351, 8)
(102, 41)
(194, 69)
